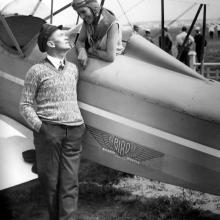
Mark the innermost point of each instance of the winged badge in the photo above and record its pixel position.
(123, 148)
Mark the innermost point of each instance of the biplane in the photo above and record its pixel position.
(146, 113)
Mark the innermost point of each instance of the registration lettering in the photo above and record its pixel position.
(120, 146)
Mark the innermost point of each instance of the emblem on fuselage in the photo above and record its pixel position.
(123, 148)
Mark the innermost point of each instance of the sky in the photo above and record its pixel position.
(136, 10)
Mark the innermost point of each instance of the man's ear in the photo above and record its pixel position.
(50, 44)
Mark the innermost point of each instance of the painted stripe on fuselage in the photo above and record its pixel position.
(130, 123)
(150, 130)
(12, 78)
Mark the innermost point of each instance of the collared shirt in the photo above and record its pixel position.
(181, 37)
(56, 61)
(212, 28)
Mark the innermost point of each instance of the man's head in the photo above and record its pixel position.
(147, 32)
(184, 29)
(166, 29)
(136, 28)
(197, 29)
(88, 10)
(53, 38)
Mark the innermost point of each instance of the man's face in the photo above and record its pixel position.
(86, 14)
(136, 29)
(59, 40)
(147, 34)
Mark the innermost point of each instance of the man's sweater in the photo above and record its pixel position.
(55, 94)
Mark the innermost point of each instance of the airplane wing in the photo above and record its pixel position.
(14, 139)
(21, 7)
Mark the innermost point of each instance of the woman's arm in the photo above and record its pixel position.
(82, 38)
(80, 45)
(110, 53)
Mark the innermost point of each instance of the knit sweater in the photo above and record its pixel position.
(55, 94)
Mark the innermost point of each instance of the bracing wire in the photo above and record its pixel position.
(5, 7)
(187, 10)
(36, 7)
(177, 18)
(124, 13)
(132, 7)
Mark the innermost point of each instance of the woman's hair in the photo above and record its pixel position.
(92, 4)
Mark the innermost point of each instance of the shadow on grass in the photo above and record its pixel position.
(99, 200)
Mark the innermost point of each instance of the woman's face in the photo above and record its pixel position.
(86, 14)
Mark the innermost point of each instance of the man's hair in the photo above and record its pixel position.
(166, 29)
(184, 28)
(135, 27)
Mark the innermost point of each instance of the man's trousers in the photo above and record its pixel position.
(57, 167)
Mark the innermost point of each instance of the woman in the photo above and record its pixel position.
(100, 35)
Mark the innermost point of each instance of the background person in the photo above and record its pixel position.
(100, 35)
(168, 42)
(218, 30)
(179, 40)
(198, 44)
(147, 35)
(57, 122)
(211, 31)
(136, 29)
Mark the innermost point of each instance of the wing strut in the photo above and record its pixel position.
(11, 35)
(124, 13)
(162, 24)
(203, 40)
(51, 12)
(189, 32)
(58, 11)
(36, 7)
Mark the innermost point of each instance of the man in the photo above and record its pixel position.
(147, 35)
(57, 122)
(218, 30)
(167, 41)
(198, 44)
(211, 31)
(136, 29)
(180, 39)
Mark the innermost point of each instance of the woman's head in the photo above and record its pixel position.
(88, 10)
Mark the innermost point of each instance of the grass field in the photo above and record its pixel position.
(106, 194)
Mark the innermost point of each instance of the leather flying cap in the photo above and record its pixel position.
(45, 33)
(76, 4)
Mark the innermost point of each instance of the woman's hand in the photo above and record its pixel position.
(92, 52)
(83, 57)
